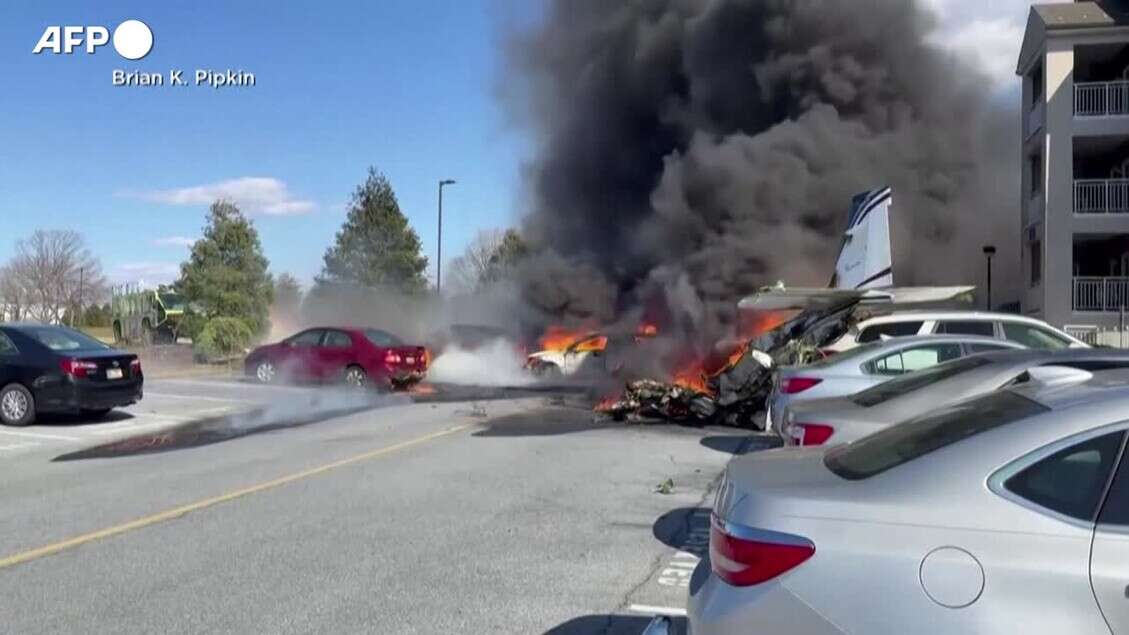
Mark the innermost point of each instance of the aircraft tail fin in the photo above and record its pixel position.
(865, 259)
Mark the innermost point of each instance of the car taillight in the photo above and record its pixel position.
(391, 358)
(810, 433)
(793, 385)
(745, 560)
(135, 367)
(77, 367)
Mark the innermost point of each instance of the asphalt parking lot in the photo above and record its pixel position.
(219, 506)
(167, 403)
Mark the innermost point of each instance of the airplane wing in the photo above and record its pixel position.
(780, 298)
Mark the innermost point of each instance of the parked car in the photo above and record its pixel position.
(843, 419)
(54, 369)
(869, 365)
(354, 356)
(1021, 329)
(1004, 514)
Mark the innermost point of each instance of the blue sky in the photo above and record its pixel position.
(405, 85)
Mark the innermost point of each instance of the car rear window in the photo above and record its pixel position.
(58, 338)
(889, 329)
(917, 437)
(985, 328)
(908, 383)
(382, 338)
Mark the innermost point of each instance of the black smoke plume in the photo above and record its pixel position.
(699, 149)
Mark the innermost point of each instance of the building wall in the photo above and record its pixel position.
(1051, 214)
(1057, 288)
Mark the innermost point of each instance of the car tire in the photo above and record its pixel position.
(265, 372)
(17, 406)
(354, 376)
(94, 413)
(549, 371)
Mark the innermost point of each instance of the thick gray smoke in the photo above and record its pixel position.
(714, 145)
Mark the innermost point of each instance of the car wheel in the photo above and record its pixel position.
(549, 371)
(17, 406)
(355, 376)
(95, 413)
(265, 372)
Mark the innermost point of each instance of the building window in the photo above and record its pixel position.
(1037, 85)
(1035, 167)
(1036, 249)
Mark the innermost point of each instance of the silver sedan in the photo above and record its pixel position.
(869, 365)
(1008, 513)
(844, 419)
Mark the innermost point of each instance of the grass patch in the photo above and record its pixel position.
(103, 333)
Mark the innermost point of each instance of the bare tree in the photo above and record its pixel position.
(469, 269)
(13, 297)
(54, 271)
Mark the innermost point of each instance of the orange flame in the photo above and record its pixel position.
(559, 338)
(754, 323)
(692, 377)
(607, 403)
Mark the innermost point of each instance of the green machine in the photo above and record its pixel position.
(145, 316)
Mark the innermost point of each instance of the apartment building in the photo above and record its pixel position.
(1075, 156)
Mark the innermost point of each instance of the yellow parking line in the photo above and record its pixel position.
(176, 512)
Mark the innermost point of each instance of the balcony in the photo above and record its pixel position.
(1101, 293)
(1101, 196)
(1101, 99)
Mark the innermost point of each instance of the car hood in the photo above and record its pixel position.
(549, 356)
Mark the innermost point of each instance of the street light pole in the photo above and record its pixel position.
(989, 251)
(439, 246)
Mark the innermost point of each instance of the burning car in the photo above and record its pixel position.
(567, 352)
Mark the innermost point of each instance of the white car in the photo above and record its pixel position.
(1008, 513)
(1027, 331)
(585, 354)
(868, 365)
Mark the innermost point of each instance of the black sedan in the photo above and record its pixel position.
(60, 370)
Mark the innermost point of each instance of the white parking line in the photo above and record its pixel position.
(657, 610)
(39, 435)
(169, 395)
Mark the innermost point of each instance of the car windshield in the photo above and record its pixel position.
(382, 338)
(908, 383)
(906, 441)
(172, 301)
(859, 351)
(58, 338)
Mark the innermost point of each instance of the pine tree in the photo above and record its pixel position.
(376, 248)
(226, 272)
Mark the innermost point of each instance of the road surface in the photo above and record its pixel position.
(217, 506)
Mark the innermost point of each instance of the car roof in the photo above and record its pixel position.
(24, 326)
(925, 314)
(910, 340)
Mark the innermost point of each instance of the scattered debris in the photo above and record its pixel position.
(665, 487)
(476, 410)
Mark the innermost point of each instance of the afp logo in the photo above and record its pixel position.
(132, 39)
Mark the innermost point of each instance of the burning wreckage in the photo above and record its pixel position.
(733, 391)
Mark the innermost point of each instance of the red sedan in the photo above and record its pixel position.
(354, 356)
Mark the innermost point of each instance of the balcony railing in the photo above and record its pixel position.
(1101, 196)
(1101, 99)
(1099, 293)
